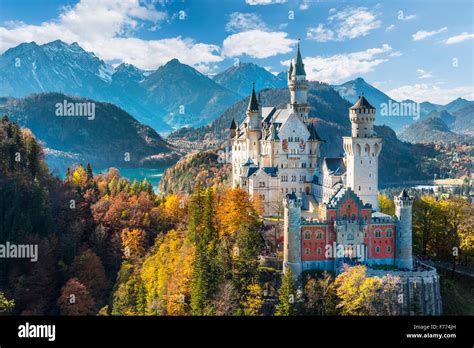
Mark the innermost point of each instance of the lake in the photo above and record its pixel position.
(152, 175)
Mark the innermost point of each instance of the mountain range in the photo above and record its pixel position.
(111, 137)
(439, 126)
(239, 78)
(350, 90)
(172, 96)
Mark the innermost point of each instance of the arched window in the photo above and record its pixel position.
(319, 251)
(389, 249)
(307, 251)
(367, 149)
(353, 217)
(307, 235)
(378, 234)
(344, 217)
(350, 236)
(377, 249)
(319, 235)
(388, 233)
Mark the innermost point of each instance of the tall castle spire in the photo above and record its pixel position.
(298, 86)
(299, 66)
(253, 102)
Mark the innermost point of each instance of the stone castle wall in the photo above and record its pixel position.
(420, 290)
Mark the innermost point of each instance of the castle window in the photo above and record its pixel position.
(262, 197)
(319, 235)
(377, 249)
(319, 251)
(307, 235)
(389, 249)
(353, 217)
(307, 251)
(388, 233)
(378, 233)
(261, 184)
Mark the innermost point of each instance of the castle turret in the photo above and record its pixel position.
(403, 238)
(254, 126)
(362, 151)
(233, 129)
(292, 234)
(298, 87)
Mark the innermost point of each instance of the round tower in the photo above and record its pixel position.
(292, 234)
(362, 151)
(403, 238)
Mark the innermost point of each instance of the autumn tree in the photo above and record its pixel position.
(386, 205)
(253, 301)
(75, 299)
(363, 295)
(87, 268)
(320, 295)
(6, 305)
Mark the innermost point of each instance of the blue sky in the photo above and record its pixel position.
(418, 49)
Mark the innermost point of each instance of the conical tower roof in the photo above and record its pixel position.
(253, 103)
(299, 66)
(362, 103)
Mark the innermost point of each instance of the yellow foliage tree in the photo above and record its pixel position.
(254, 300)
(234, 210)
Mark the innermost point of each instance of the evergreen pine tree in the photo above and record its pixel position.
(287, 296)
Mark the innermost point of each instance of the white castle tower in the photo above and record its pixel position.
(362, 151)
(298, 87)
(403, 247)
(254, 127)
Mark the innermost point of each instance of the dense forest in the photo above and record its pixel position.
(108, 246)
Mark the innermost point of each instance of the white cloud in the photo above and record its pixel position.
(423, 74)
(264, 2)
(257, 44)
(459, 38)
(402, 17)
(107, 27)
(390, 27)
(348, 23)
(339, 67)
(305, 5)
(239, 21)
(320, 34)
(423, 34)
(431, 92)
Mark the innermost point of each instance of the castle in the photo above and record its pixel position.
(329, 205)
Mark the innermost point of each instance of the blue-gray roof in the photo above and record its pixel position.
(335, 165)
